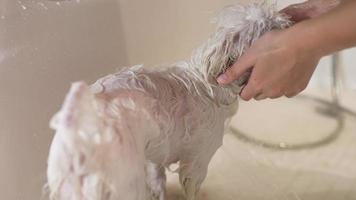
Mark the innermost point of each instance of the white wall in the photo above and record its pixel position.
(43, 47)
(164, 31)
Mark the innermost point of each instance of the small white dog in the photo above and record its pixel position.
(115, 138)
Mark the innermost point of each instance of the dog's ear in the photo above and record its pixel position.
(237, 28)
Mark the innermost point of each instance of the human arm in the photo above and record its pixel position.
(309, 9)
(283, 61)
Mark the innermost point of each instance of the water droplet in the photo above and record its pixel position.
(58, 3)
(22, 6)
(42, 5)
(2, 16)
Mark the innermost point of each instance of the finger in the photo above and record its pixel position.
(275, 94)
(260, 96)
(291, 94)
(297, 12)
(294, 91)
(248, 92)
(243, 64)
(291, 9)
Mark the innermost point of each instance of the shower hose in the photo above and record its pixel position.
(331, 108)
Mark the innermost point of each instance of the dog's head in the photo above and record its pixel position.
(237, 28)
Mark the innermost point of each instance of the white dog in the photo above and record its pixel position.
(115, 138)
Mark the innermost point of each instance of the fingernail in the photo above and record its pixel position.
(222, 79)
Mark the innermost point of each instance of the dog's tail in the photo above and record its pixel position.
(95, 154)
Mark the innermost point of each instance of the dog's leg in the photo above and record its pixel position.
(156, 181)
(191, 176)
(193, 170)
(194, 161)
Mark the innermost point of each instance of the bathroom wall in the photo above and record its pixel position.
(43, 47)
(164, 31)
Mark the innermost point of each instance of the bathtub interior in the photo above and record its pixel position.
(45, 45)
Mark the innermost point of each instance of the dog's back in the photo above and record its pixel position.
(181, 106)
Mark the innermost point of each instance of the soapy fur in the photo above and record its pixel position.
(115, 138)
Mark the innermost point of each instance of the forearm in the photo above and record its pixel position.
(329, 32)
(309, 9)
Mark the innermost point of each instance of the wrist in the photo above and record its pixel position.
(306, 40)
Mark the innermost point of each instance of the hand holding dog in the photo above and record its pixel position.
(283, 61)
(281, 66)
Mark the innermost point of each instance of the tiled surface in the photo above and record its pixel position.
(242, 170)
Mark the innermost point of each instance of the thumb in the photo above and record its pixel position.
(242, 65)
(297, 12)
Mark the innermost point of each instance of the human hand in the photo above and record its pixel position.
(309, 9)
(281, 64)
